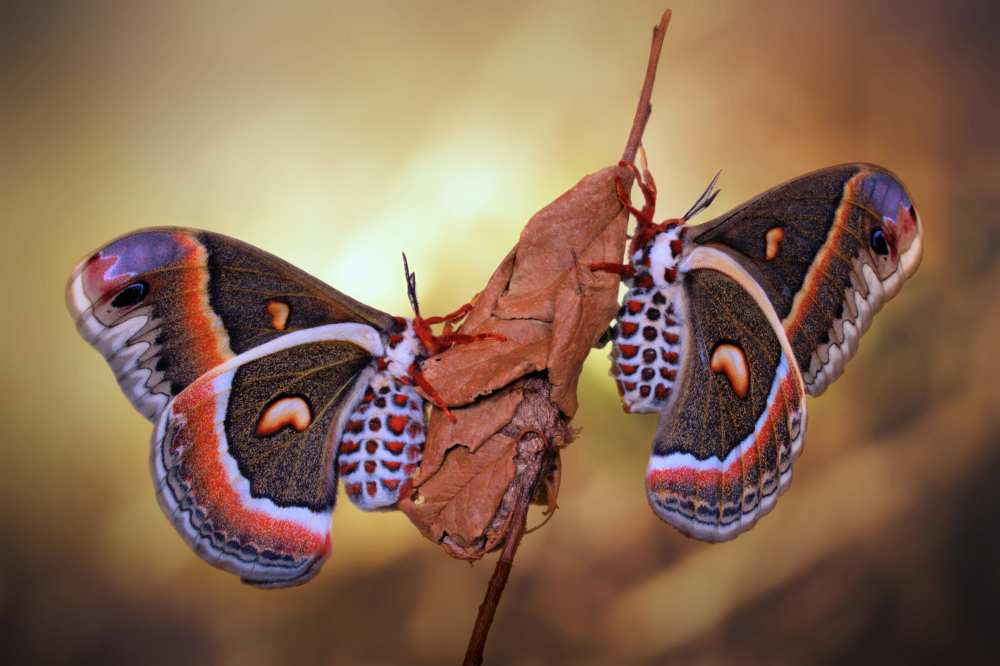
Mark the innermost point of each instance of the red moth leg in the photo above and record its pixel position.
(623, 270)
(418, 336)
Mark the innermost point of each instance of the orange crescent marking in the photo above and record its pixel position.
(773, 238)
(279, 314)
(814, 277)
(730, 361)
(291, 411)
(209, 342)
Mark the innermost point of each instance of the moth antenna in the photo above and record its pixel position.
(705, 200)
(411, 286)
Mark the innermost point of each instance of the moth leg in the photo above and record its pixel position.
(450, 317)
(624, 270)
(448, 339)
(648, 188)
(432, 394)
(435, 344)
(626, 201)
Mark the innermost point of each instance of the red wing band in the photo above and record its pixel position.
(748, 481)
(202, 490)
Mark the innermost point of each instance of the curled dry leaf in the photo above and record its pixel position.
(512, 400)
(544, 298)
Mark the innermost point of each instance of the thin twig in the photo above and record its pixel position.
(498, 581)
(644, 108)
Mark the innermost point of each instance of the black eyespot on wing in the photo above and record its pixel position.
(130, 295)
(878, 243)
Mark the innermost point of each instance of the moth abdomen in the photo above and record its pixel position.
(646, 349)
(382, 444)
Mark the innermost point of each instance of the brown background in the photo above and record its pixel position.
(337, 136)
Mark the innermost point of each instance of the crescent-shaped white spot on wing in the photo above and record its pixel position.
(288, 411)
(729, 360)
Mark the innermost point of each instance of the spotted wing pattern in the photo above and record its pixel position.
(726, 441)
(166, 305)
(829, 249)
(243, 458)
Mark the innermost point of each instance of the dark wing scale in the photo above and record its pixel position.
(806, 205)
(244, 279)
(808, 244)
(166, 305)
(243, 458)
(724, 448)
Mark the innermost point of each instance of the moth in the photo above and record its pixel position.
(726, 326)
(264, 385)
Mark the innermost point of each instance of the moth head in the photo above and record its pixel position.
(648, 232)
(656, 261)
(648, 236)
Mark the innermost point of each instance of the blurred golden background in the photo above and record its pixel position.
(337, 135)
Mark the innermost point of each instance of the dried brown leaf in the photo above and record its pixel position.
(513, 399)
(572, 229)
(545, 280)
(584, 305)
(463, 373)
(544, 298)
(461, 498)
(473, 425)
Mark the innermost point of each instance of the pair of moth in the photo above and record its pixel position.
(266, 385)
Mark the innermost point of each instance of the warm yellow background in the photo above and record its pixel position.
(338, 135)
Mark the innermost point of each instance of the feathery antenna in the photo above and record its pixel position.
(705, 200)
(411, 286)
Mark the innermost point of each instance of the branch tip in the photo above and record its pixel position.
(644, 108)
